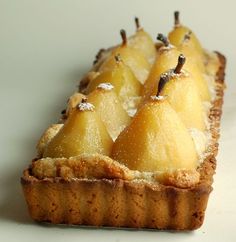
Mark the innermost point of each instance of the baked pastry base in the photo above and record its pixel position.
(122, 203)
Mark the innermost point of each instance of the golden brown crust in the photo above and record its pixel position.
(84, 166)
(47, 136)
(179, 178)
(122, 203)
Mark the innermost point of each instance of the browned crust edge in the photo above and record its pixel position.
(120, 203)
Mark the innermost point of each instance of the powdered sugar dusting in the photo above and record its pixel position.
(171, 73)
(132, 112)
(84, 106)
(130, 105)
(158, 98)
(168, 47)
(105, 86)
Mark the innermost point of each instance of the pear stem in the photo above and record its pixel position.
(176, 17)
(123, 36)
(181, 61)
(137, 23)
(84, 100)
(163, 39)
(163, 80)
(187, 36)
(118, 58)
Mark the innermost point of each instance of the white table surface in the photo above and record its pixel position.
(45, 46)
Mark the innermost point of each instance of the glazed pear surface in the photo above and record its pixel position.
(73, 101)
(143, 42)
(109, 108)
(166, 59)
(183, 96)
(166, 101)
(178, 34)
(180, 90)
(131, 57)
(156, 140)
(121, 77)
(82, 133)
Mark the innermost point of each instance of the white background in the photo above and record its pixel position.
(45, 46)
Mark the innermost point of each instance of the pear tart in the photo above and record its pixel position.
(136, 147)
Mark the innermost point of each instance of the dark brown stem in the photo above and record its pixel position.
(63, 112)
(117, 58)
(188, 35)
(163, 80)
(98, 55)
(137, 23)
(123, 36)
(84, 100)
(176, 16)
(181, 61)
(163, 39)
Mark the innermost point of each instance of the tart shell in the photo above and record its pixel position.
(122, 203)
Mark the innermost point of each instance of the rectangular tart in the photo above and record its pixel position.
(128, 203)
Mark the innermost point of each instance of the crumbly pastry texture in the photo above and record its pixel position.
(96, 190)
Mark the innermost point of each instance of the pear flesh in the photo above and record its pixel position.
(156, 140)
(122, 79)
(133, 58)
(182, 94)
(82, 133)
(166, 60)
(177, 35)
(143, 42)
(109, 108)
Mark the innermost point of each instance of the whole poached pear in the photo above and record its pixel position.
(181, 92)
(177, 35)
(140, 41)
(82, 133)
(109, 108)
(143, 42)
(131, 57)
(121, 78)
(166, 59)
(155, 140)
